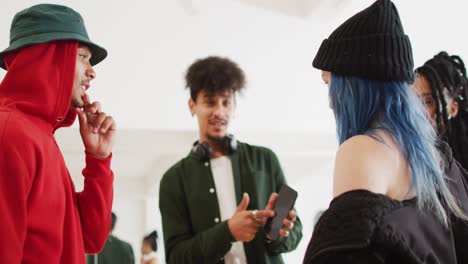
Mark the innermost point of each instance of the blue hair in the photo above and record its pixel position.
(363, 107)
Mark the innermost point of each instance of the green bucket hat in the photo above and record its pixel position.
(47, 22)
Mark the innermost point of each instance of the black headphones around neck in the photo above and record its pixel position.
(203, 149)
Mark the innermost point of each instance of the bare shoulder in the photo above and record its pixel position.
(362, 163)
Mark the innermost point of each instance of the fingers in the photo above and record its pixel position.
(91, 113)
(288, 224)
(256, 221)
(250, 217)
(244, 203)
(252, 228)
(108, 124)
(283, 233)
(292, 216)
(98, 121)
(93, 108)
(242, 224)
(86, 99)
(94, 121)
(271, 201)
(270, 204)
(264, 214)
(81, 117)
(251, 220)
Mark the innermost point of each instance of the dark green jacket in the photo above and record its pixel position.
(190, 212)
(115, 251)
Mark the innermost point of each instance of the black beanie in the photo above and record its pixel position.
(370, 45)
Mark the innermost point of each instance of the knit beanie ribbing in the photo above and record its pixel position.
(371, 44)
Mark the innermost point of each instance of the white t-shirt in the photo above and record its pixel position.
(225, 191)
(147, 258)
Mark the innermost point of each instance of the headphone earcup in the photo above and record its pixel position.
(230, 144)
(203, 150)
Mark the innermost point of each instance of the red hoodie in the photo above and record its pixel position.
(42, 218)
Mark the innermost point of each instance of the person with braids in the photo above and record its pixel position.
(393, 201)
(443, 86)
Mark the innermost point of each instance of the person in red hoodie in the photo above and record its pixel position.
(49, 68)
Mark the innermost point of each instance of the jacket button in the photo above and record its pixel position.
(207, 164)
(212, 190)
(216, 220)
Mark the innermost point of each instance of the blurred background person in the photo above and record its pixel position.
(115, 251)
(149, 247)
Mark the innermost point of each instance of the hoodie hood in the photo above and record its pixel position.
(39, 82)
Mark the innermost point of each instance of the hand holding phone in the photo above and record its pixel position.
(283, 205)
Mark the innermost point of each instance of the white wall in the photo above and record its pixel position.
(150, 45)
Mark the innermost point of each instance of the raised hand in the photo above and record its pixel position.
(244, 224)
(97, 129)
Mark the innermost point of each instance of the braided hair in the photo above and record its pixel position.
(447, 74)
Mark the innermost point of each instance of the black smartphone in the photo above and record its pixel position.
(284, 203)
